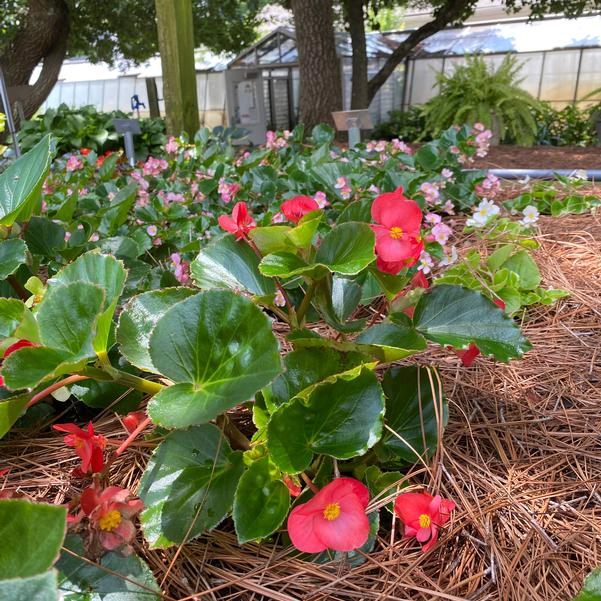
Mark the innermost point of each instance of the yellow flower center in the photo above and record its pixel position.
(396, 233)
(331, 512)
(110, 520)
(424, 521)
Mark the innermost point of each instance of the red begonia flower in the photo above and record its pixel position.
(87, 445)
(333, 519)
(133, 419)
(240, 223)
(469, 356)
(422, 515)
(296, 207)
(398, 231)
(110, 512)
(84, 151)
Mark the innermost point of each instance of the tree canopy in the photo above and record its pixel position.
(50, 30)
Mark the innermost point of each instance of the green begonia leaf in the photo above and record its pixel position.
(456, 316)
(188, 485)
(10, 411)
(228, 263)
(413, 412)
(138, 319)
(591, 589)
(13, 254)
(261, 503)
(219, 350)
(341, 417)
(31, 535)
(42, 587)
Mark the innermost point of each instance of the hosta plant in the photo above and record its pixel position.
(334, 419)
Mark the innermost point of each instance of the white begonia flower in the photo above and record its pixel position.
(531, 215)
(484, 211)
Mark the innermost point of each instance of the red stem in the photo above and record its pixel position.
(132, 436)
(41, 395)
(309, 482)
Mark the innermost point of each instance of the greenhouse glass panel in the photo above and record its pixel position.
(559, 76)
(111, 95)
(80, 93)
(590, 73)
(422, 85)
(68, 94)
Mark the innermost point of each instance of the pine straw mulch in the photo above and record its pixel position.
(521, 457)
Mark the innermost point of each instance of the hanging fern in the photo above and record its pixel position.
(475, 92)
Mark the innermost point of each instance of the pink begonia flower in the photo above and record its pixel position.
(334, 518)
(240, 223)
(279, 300)
(227, 191)
(110, 512)
(321, 199)
(95, 237)
(400, 146)
(423, 515)
(74, 163)
(278, 218)
(152, 230)
(441, 233)
(430, 192)
(432, 218)
(137, 177)
(448, 207)
(343, 186)
(425, 262)
(172, 145)
(182, 268)
(154, 166)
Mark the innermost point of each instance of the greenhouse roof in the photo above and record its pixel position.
(279, 47)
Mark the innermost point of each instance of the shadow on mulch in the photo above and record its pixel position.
(520, 456)
(541, 157)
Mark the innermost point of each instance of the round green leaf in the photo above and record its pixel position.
(10, 411)
(227, 263)
(188, 485)
(104, 271)
(138, 319)
(412, 411)
(261, 503)
(456, 316)
(11, 314)
(42, 587)
(347, 249)
(13, 254)
(31, 535)
(341, 417)
(591, 589)
(219, 349)
(287, 265)
(117, 578)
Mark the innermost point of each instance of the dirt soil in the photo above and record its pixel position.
(542, 157)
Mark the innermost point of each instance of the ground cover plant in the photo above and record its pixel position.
(158, 291)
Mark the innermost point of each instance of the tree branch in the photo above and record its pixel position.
(446, 14)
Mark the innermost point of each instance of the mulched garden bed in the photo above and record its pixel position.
(520, 456)
(542, 157)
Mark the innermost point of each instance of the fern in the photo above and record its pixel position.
(476, 92)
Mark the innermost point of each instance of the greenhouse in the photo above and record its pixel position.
(559, 58)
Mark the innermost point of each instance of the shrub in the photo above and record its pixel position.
(409, 125)
(85, 127)
(474, 92)
(569, 126)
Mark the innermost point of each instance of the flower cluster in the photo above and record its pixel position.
(335, 518)
(172, 145)
(483, 137)
(343, 187)
(154, 166)
(489, 187)
(275, 141)
(181, 268)
(227, 191)
(74, 163)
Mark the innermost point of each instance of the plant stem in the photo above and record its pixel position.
(231, 432)
(44, 393)
(142, 426)
(131, 381)
(304, 306)
(309, 482)
(18, 287)
(293, 320)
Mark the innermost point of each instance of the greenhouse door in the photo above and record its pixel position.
(277, 86)
(245, 106)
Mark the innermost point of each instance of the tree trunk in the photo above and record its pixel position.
(356, 20)
(320, 75)
(450, 12)
(42, 37)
